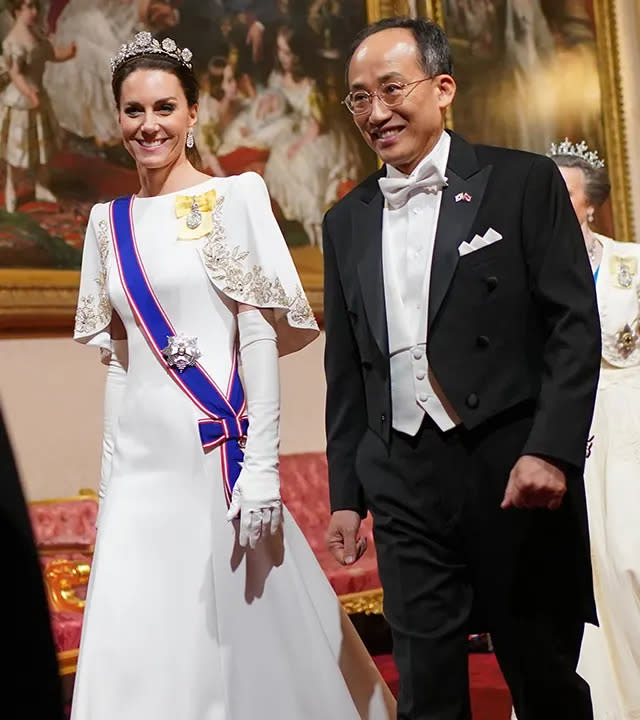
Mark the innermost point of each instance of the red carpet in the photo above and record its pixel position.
(490, 698)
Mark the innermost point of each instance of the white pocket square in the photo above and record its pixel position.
(478, 242)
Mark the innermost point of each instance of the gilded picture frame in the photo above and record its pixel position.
(42, 301)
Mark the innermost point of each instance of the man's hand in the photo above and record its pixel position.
(534, 483)
(342, 537)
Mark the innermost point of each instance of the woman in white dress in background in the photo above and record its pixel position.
(191, 613)
(308, 160)
(80, 90)
(28, 126)
(610, 655)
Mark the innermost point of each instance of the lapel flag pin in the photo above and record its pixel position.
(463, 196)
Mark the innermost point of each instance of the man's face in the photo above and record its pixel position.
(404, 134)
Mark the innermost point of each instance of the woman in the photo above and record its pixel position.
(308, 161)
(188, 615)
(80, 90)
(610, 658)
(28, 127)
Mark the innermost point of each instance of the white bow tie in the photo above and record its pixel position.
(396, 190)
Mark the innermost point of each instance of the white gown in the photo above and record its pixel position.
(306, 185)
(610, 656)
(181, 623)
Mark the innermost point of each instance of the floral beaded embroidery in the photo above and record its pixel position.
(94, 311)
(249, 284)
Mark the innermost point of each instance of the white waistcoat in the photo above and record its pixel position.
(408, 235)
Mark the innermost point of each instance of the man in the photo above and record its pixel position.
(30, 684)
(462, 353)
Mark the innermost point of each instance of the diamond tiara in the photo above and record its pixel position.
(145, 44)
(580, 150)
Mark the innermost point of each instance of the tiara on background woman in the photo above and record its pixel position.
(580, 150)
(145, 44)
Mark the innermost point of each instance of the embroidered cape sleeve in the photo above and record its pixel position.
(247, 259)
(93, 313)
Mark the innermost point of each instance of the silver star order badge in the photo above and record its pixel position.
(181, 351)
(194, 218)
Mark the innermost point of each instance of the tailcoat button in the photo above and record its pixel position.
(482, 341)
(492, 282)
(472, 401)
(423, 397)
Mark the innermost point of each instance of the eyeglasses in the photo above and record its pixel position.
(391, 94)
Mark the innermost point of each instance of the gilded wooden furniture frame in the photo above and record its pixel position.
(368, 602)
(608, 51)
(62, 577)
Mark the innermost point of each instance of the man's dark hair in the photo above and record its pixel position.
(434, 53)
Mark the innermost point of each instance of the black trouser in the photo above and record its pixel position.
(445, 547)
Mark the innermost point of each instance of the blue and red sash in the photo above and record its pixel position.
(225, 424)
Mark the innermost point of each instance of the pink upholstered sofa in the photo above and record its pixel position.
(65, 531)
(65, 534)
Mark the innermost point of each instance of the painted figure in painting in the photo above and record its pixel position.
(80, 90)
(308, 160)
(236, 129)
(28, 126)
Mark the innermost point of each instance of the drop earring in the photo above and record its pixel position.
(190, 141)
(590, 216)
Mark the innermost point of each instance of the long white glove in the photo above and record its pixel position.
(116, 361)
(256, 494)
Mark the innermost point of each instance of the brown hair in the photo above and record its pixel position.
(14, 5)
(167, 64)
(300, 42)
(216, 75)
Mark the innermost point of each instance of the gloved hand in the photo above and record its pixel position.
(116, 361)
(259, 515)
(256, 494)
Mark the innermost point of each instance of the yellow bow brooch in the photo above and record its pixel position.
(195, 215)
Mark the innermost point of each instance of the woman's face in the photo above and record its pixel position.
(229, 84)
(154, 117)
(28, 13)
(576, 185)
(285, 56)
